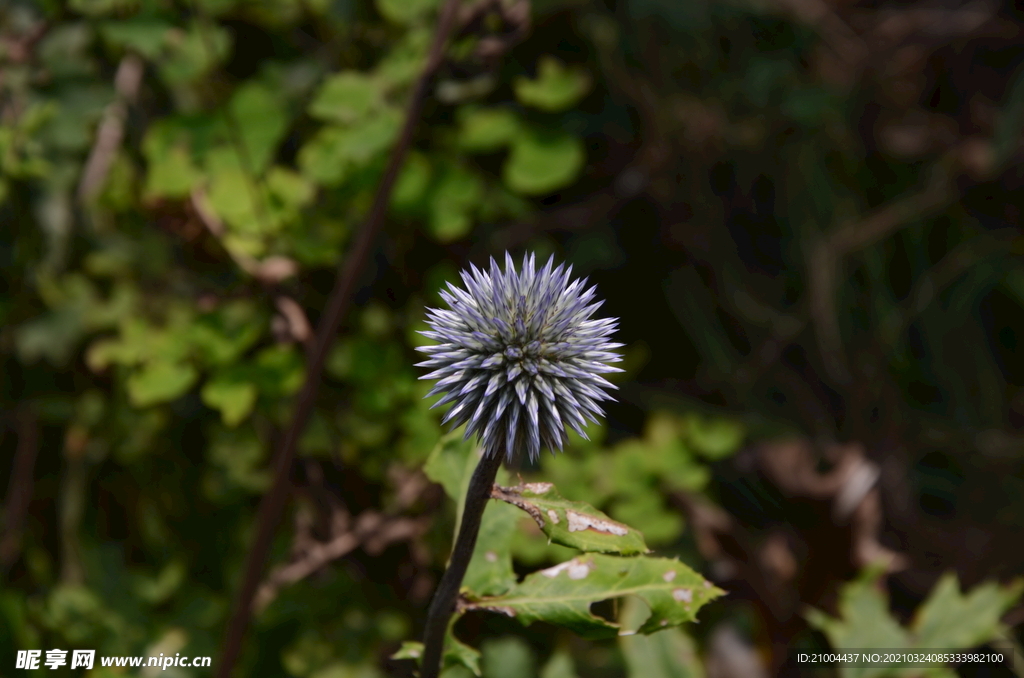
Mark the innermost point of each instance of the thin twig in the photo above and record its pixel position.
(111, 128)
(369, 531)
(19, 491)
(443, 604)
(346, 281)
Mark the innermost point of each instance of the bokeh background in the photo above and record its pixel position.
(806, 214)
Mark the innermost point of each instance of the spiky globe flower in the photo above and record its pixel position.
(520, 357)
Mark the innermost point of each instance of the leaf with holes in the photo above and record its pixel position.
(575, 524)
(564, 593)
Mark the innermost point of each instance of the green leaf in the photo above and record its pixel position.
(412, 182)
(231, 192)
(575, 524)
(454, 199)
(346, 97)
(490, 570)
(404, 11)
(564, 593)
(456, 653)
(451, 464)
(556, 87)
(145, 36)
(171, 174)
(234, 399)
(543, 162)
(714, 438)
(947, 620)
(668, 654)
(329, 157)
(864, 619)
(288, 192)
(951, 620)
(262, 121)
(279, 371)
(508, 657)
(487, 129)
(410, 649)
(160, 381)
(191, 54)
(161, 587)
(559, 666)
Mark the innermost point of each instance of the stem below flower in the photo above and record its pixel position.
(443, 604)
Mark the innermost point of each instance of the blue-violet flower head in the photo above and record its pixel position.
(519, 356)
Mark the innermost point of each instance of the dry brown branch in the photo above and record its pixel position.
(851, 486)
(371, 530)
(111, 128)
(293, 325)
(19, 491)
(268, 271)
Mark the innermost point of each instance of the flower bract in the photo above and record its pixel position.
(519, 356)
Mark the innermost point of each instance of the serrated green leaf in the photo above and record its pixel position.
(160, 381)
(556, 87)
(575, 524)
(952, 620)
(487, 129)
(668, 654)
(564, 593)
(233, 399)
(346, 97)
(947, 620)
(541, 163)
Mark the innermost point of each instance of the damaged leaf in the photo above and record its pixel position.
(575, 524)
(564, 593)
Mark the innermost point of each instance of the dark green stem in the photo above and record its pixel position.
(443, 604)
